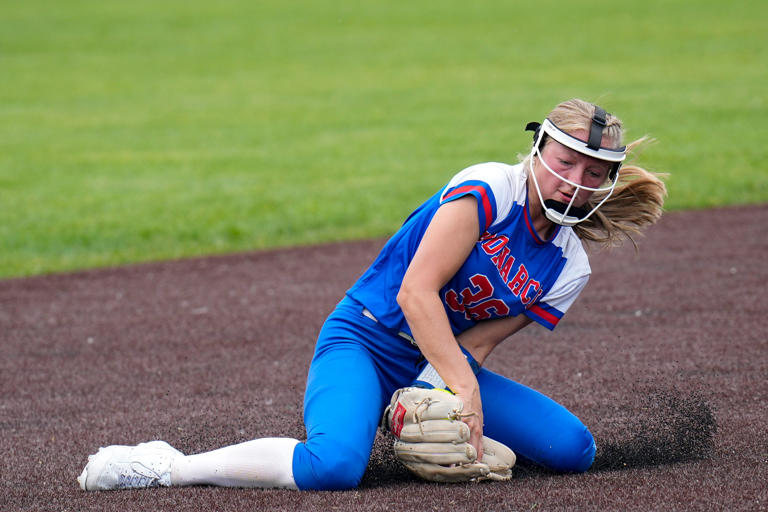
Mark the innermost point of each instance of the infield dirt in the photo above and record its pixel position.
(664, 357)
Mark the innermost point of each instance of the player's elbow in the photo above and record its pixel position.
(404, 297)
(413, 300)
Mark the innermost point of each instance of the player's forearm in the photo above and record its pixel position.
(429, 324)
(430, 328)
(481, 339)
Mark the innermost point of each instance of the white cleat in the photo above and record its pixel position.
(129, 467)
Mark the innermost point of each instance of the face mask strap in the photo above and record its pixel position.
(537, 130)
(596, 129)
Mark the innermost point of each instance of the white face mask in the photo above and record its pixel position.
(568, 214)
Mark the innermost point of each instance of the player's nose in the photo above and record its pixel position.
(577, 174)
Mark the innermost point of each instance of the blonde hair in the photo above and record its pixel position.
(638, 198)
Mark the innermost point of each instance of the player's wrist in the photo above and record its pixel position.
(429, 378)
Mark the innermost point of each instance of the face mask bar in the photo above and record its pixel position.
(557, 211)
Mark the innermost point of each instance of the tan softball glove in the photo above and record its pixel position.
(433, 442)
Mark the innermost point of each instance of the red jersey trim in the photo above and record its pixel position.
(544, 315)
(482, 196)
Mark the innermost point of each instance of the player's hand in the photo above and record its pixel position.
(473, 417)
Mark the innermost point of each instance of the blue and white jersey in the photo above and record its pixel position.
(510, 271)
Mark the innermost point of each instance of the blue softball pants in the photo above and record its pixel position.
(358, 364)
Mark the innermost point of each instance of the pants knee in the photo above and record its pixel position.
(333, 470)
(572, 452)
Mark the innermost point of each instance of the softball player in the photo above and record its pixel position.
(499, 247)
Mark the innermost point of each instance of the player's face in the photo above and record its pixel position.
(573, 166)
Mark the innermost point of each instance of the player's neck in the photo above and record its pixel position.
(543, 226)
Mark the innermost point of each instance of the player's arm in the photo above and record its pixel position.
(444, 248)
(481, 339)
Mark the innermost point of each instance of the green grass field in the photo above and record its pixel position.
(146, 130)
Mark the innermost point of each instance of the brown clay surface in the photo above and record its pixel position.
(209, 352)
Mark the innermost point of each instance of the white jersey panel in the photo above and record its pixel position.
(506, 182)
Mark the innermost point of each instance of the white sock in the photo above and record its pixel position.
(265, 463)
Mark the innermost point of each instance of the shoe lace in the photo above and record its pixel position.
(140, 475)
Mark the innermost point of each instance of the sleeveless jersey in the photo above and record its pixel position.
(510, 271)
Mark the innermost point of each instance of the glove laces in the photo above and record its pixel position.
(424, 404)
